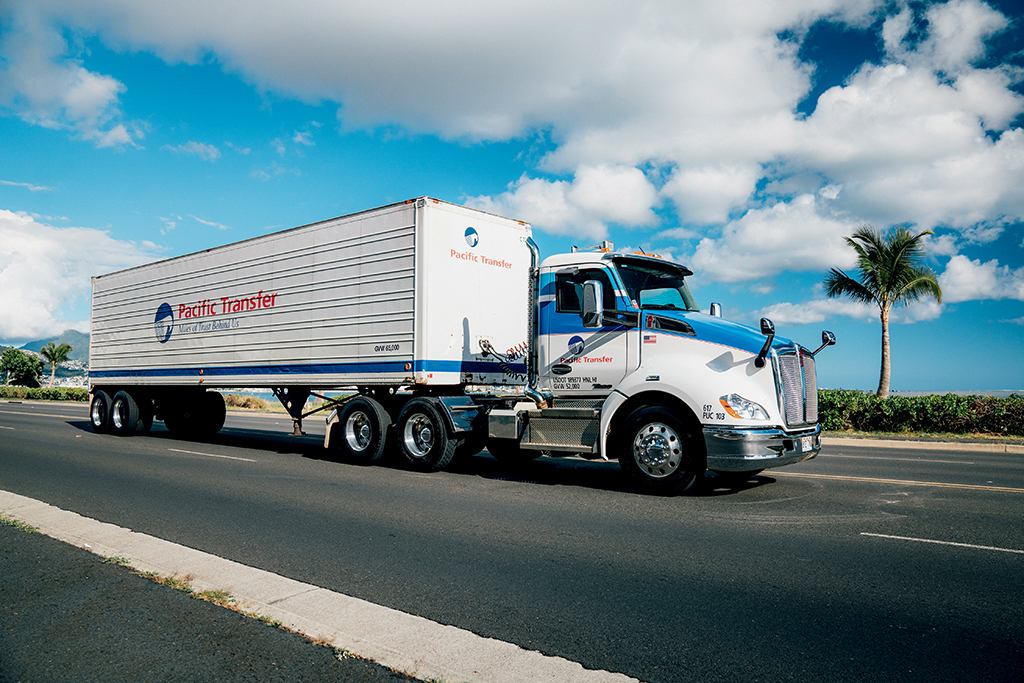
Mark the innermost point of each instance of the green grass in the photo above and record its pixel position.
(7, 520)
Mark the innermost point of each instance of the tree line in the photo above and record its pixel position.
(24, 369)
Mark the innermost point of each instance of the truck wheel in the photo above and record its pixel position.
(422, 436)
(659, 452)
(361, 431)
(508, 452)
(125, 417)
(99, 412)
(212, 412)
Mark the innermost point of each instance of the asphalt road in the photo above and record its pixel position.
(863, 564)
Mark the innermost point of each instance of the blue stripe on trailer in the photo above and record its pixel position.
(313, 369)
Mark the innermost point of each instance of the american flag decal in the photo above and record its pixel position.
(650, 339)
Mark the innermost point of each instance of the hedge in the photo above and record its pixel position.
(842, 410)
(46, 394)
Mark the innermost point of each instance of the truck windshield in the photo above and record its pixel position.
(650, 284)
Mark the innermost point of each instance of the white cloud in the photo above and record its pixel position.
(820, 310)
(196, 149)
(967, 280)
(41, 83)
(705, 196)
(28, 186)
(44, 269)
(585, 206)
(798, 236)
(219, 226)
(816, 311)
(650, 105)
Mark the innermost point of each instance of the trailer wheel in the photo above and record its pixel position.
(125, 417)
(659, 451)
(423, 437)
(195, 414)
(361, 431)
(99, 412)
(213, 413)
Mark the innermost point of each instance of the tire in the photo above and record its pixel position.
(470, 446)
(125, 417)
(659, 452)
(508, 452)
(99, 412)
(194, 414)
(361, 432)
(212, 413)
(422, 436)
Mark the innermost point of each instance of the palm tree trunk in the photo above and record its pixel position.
(883, 379)
(53, 373)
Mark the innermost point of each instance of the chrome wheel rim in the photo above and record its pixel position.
(117, 415)
(98, 414)
(418, 435)
(657, 450)
(358, 431)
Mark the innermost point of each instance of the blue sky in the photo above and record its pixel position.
(742, 138)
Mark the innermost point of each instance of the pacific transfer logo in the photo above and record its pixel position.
(164, 323)
(576, 345)
(472, 238)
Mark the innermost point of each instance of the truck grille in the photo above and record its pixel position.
(799, 387)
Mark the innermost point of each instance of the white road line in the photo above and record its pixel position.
(11, 428)
(829, 456)
(405, 642)
(211, 455)
(959, 545)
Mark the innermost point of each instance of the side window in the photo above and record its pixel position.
(569, 290)
(567, 294)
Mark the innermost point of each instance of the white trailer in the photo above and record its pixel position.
(410, 304)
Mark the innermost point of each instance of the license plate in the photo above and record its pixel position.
(806, 444)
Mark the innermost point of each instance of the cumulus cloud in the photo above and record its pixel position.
(650, 106)
(585, 206)
(43, 84)
(44, 269)
(965, 280)
(801, 235)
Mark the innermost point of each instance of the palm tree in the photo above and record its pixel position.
(890, 273)
(55, 355)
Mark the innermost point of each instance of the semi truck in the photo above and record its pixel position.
(441, 332)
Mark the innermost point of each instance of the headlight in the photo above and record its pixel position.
(742, 409)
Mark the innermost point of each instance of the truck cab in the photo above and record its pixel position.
(632, 370)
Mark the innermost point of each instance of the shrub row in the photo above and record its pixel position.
(46, 394)
(841, 410)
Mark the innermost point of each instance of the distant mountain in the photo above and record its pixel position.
(78, 342)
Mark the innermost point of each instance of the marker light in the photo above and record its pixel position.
(742, 409)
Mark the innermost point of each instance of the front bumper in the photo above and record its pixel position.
(744, 450)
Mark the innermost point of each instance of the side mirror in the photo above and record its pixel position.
(593, 304)
(767, 329)
(716, 309)
(827, 339)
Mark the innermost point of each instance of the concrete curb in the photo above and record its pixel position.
(404, 642)
(924, 445)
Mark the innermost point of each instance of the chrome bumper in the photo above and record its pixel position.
(744, 450)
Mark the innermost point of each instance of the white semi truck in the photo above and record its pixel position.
(450, 335)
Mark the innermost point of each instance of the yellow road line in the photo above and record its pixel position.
(905, 482)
